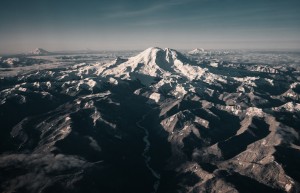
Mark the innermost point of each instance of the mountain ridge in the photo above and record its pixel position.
(39, 52)
(158, 121)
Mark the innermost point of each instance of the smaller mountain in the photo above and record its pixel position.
(197, 51)
(39, 52)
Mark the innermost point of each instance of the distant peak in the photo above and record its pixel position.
(39, 51)
(197, 51)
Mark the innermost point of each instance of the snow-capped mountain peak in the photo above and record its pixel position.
(159, 56)
(39, 51)
(197, 51)
(153, 63)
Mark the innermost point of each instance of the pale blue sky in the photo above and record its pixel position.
(138, 24)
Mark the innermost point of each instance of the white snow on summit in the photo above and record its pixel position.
(39, 51)
(153, 63)
(197, 51)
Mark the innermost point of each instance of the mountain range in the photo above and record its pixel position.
(155, 122)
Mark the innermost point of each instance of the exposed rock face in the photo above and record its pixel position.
(157, 121)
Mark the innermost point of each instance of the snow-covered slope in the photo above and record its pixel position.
(157, 119)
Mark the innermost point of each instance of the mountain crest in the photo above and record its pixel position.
(39, 51)
(197, 51)
(154, 63)
(159, 56)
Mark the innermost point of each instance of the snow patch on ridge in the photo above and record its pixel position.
(155, 96)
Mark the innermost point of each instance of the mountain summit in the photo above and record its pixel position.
(197, 51)
(39, 51)
(159, 56)
(153, 63)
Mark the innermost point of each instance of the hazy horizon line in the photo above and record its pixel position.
(81, 51)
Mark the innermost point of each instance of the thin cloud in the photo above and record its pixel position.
(151, 9)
